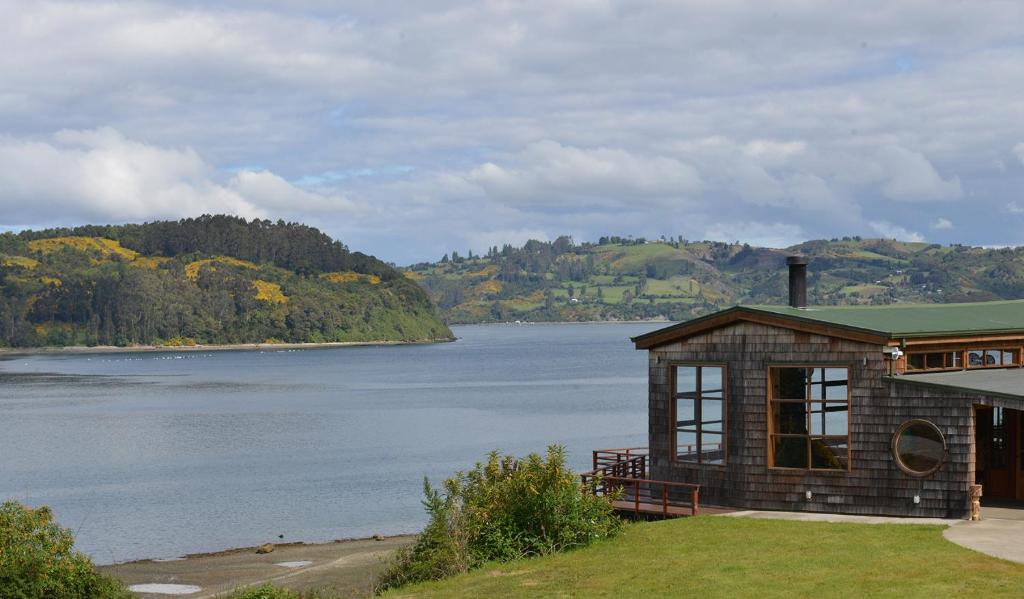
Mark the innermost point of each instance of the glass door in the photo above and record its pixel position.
(997, 460)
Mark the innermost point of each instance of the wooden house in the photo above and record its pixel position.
(883, 410)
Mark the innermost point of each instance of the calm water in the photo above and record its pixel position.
(157, 455)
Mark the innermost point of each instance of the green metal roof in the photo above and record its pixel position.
(914, 320)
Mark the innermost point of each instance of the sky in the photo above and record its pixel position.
(411, 129)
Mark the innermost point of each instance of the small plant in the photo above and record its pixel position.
(501, 510)
(269, 591)
(37, 560)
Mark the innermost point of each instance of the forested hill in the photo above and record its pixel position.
(208, 280)
(677, 279)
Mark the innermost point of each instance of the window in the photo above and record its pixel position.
(919, 447)
(976, 358)
(982, 358)
(699, 408)
(934, 361)
(809, 418)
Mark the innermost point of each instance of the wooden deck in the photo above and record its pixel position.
(622, 474)
(657, 510)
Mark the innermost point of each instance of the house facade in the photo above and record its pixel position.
(881, 410)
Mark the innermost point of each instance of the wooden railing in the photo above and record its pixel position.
(622, 475)
(610, 457)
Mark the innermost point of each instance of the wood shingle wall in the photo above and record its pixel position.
(874, 485)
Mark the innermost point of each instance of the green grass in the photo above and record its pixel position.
(676, 286)
(733, 557)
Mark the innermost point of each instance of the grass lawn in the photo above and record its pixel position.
(715, 556)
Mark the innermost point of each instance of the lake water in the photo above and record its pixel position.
(162, 454)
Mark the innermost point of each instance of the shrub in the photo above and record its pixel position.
(37, 560)
(269, 591)
(502, 510)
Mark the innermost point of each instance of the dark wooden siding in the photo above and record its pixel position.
(874, 484)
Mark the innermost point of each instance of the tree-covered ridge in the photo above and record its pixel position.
(625, 278)
(292, 246)
(213, 280)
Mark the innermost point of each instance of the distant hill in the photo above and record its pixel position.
(619, 279)
(209, 280)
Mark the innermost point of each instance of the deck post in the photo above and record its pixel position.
(693, 499)
(636, 496)
(595, 460)
(664, 500)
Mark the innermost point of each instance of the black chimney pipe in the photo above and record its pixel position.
(797, 281)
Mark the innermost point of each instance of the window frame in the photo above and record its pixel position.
(770, 435)
(965, 361)
(894, 448)
(673, 420)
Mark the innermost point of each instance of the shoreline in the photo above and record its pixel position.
(283, 545)
(118, 349)
(540, 322)
(348, 567)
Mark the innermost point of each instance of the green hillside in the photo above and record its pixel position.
(620, 279)
(211, 280)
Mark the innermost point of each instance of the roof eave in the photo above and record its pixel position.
(728, 316)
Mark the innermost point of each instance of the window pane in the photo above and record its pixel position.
(686, 446)
(686, 414)
(829, 453)
(992, 357)
(711, 415)
(686, 380)
(830, 418)
(999, 440)
(920, 447)
(790, 452)
(712, 449)
(975, 357)
(1009, 357)
(934, 361)
(817, 382)
(789, 383)
(789, 417)
(711, 381)
(836, 383)
(915, 361)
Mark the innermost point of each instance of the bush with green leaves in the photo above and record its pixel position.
(37, 560)
(501, 510)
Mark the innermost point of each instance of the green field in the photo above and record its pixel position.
(688, 279)
(714, 556)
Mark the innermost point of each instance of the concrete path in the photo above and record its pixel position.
(998, 538)
(820, 517)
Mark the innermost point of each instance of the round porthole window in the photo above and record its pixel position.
(919, 447)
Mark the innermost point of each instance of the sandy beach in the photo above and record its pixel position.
(347, 568)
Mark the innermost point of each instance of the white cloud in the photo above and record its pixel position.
(549, 172)
(590, 117)
(774, 152)
(888, 230)
(101, 174)
(773, 235)
(911, 177)
(1014, 208)
(942, 224)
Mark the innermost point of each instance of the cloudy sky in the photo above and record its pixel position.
(408, 129)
